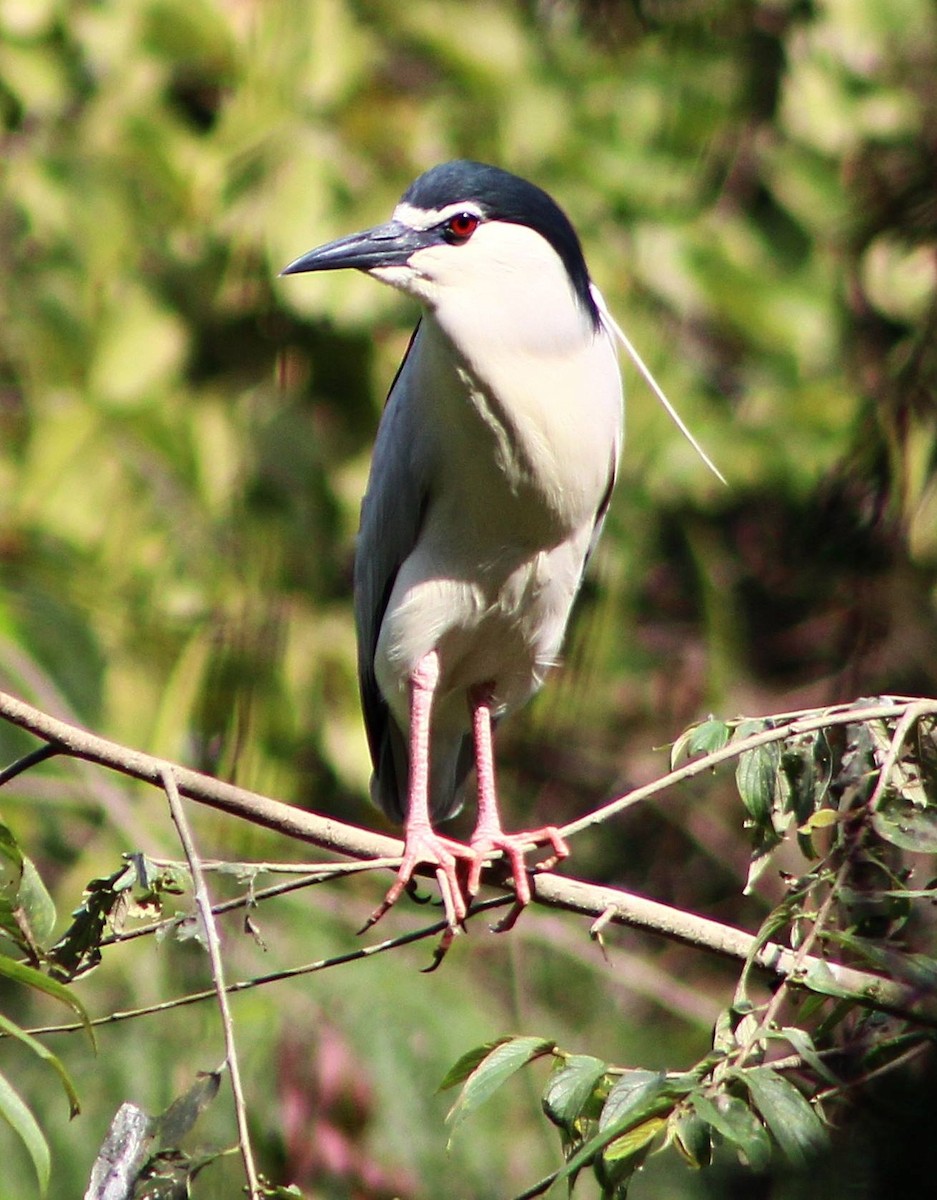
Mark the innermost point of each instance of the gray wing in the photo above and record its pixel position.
(391, 516)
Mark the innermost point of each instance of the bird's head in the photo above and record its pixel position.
(470, 240)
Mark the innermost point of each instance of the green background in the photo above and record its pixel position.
(184, 439)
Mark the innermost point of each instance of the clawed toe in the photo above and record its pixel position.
(514, 846)
(441, 853)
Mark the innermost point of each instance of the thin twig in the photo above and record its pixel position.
(801, 957)
(213, 942)
(40, 755)
(911, 716)
(246, 985)
(249, 899)
(825, 718)
(892, 1065)
(862, 987)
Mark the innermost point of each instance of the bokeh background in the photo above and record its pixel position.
(184, 439)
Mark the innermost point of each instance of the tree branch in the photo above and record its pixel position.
(605, 903)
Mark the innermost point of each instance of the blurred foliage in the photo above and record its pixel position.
(184, 440)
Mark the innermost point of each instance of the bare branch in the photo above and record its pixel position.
(614, 905)
(203, 904)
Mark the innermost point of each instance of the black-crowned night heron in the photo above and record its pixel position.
(492, 472)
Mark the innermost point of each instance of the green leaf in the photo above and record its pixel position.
(820, 977)
(570, 1086)
(735, 1121)
(703, 738)
(692, 1137)
(30, 977)
(461, 1070)
(756, 778)
(823, 818)
(637, 1097)
(906, 825)
(22, 1121)
(36, 905)
(179, 1118)
(629, 1094)
(802, 1042)
(793, 1122)
(495, 1069)
(13, 1030)
(635, 1139)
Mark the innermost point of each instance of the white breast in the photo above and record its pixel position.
(518, 441)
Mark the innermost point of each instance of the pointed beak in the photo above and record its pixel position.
(388, 245)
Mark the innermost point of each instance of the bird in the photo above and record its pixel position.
(491, 476)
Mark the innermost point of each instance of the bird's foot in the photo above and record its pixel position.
(427, 846)
(514, 846)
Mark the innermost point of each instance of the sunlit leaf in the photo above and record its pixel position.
(22, 1121)
(570, 1085)
(637, 1097)
(630, 1143)
(36, 905)
(11, 1029)
(30, 977)
(495, 1069)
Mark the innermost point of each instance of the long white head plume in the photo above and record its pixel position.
(615, 330)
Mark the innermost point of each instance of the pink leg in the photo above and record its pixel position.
(421, 842)
(489, 835)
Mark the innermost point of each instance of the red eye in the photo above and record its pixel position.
(460, 227)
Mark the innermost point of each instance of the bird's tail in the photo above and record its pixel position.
(450, 763)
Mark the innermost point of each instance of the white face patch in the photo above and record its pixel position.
(422, 218)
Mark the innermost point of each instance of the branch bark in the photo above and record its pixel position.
(602, 903)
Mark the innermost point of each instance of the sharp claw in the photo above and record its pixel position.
(441, 853)
(514, 846)
(509, 920)
(441, 950)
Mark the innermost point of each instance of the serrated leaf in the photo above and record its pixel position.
(735, 1121)
(22, 1121)
(495, 1069)
(570, 1087)
(794, 1124)
(904, 824)
(11, 1029)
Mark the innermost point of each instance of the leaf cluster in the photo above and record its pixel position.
(782, 1070)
